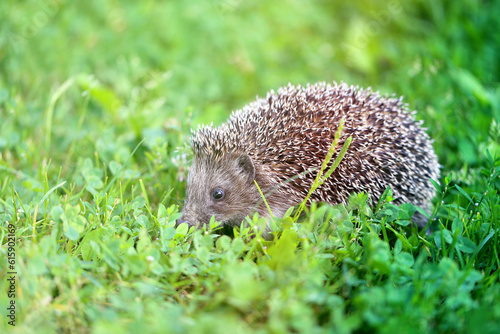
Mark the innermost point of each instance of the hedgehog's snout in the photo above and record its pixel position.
(190, 215)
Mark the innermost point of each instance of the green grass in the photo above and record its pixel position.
(97, 100)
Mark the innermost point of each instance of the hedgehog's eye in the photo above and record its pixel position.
(218, 194)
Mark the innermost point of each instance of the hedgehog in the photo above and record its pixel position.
(280, 141)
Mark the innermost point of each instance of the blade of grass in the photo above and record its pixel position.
(319, 180)
(50, 110)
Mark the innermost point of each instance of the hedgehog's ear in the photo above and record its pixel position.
(246, 166)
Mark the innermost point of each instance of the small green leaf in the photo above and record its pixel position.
(398, 247)
(114, 167)
(406, 211)
(223, 243)
(58, 214)
(465, 245)
(203, 254)
(457, 227)
(238, 246)
(447, 236)
(71, 233)
(126, 229)
(162, 211)
(94, 182)
(437, 186)
(138, 203)
(168, 233)
(182, 229)
(402, 222)
(405, 259)
(143, 221)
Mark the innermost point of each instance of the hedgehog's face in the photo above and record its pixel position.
(221, 188)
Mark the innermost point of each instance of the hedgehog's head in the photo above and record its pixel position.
(223, 188)
(220, 181)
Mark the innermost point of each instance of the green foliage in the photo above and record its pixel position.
(96, 102)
